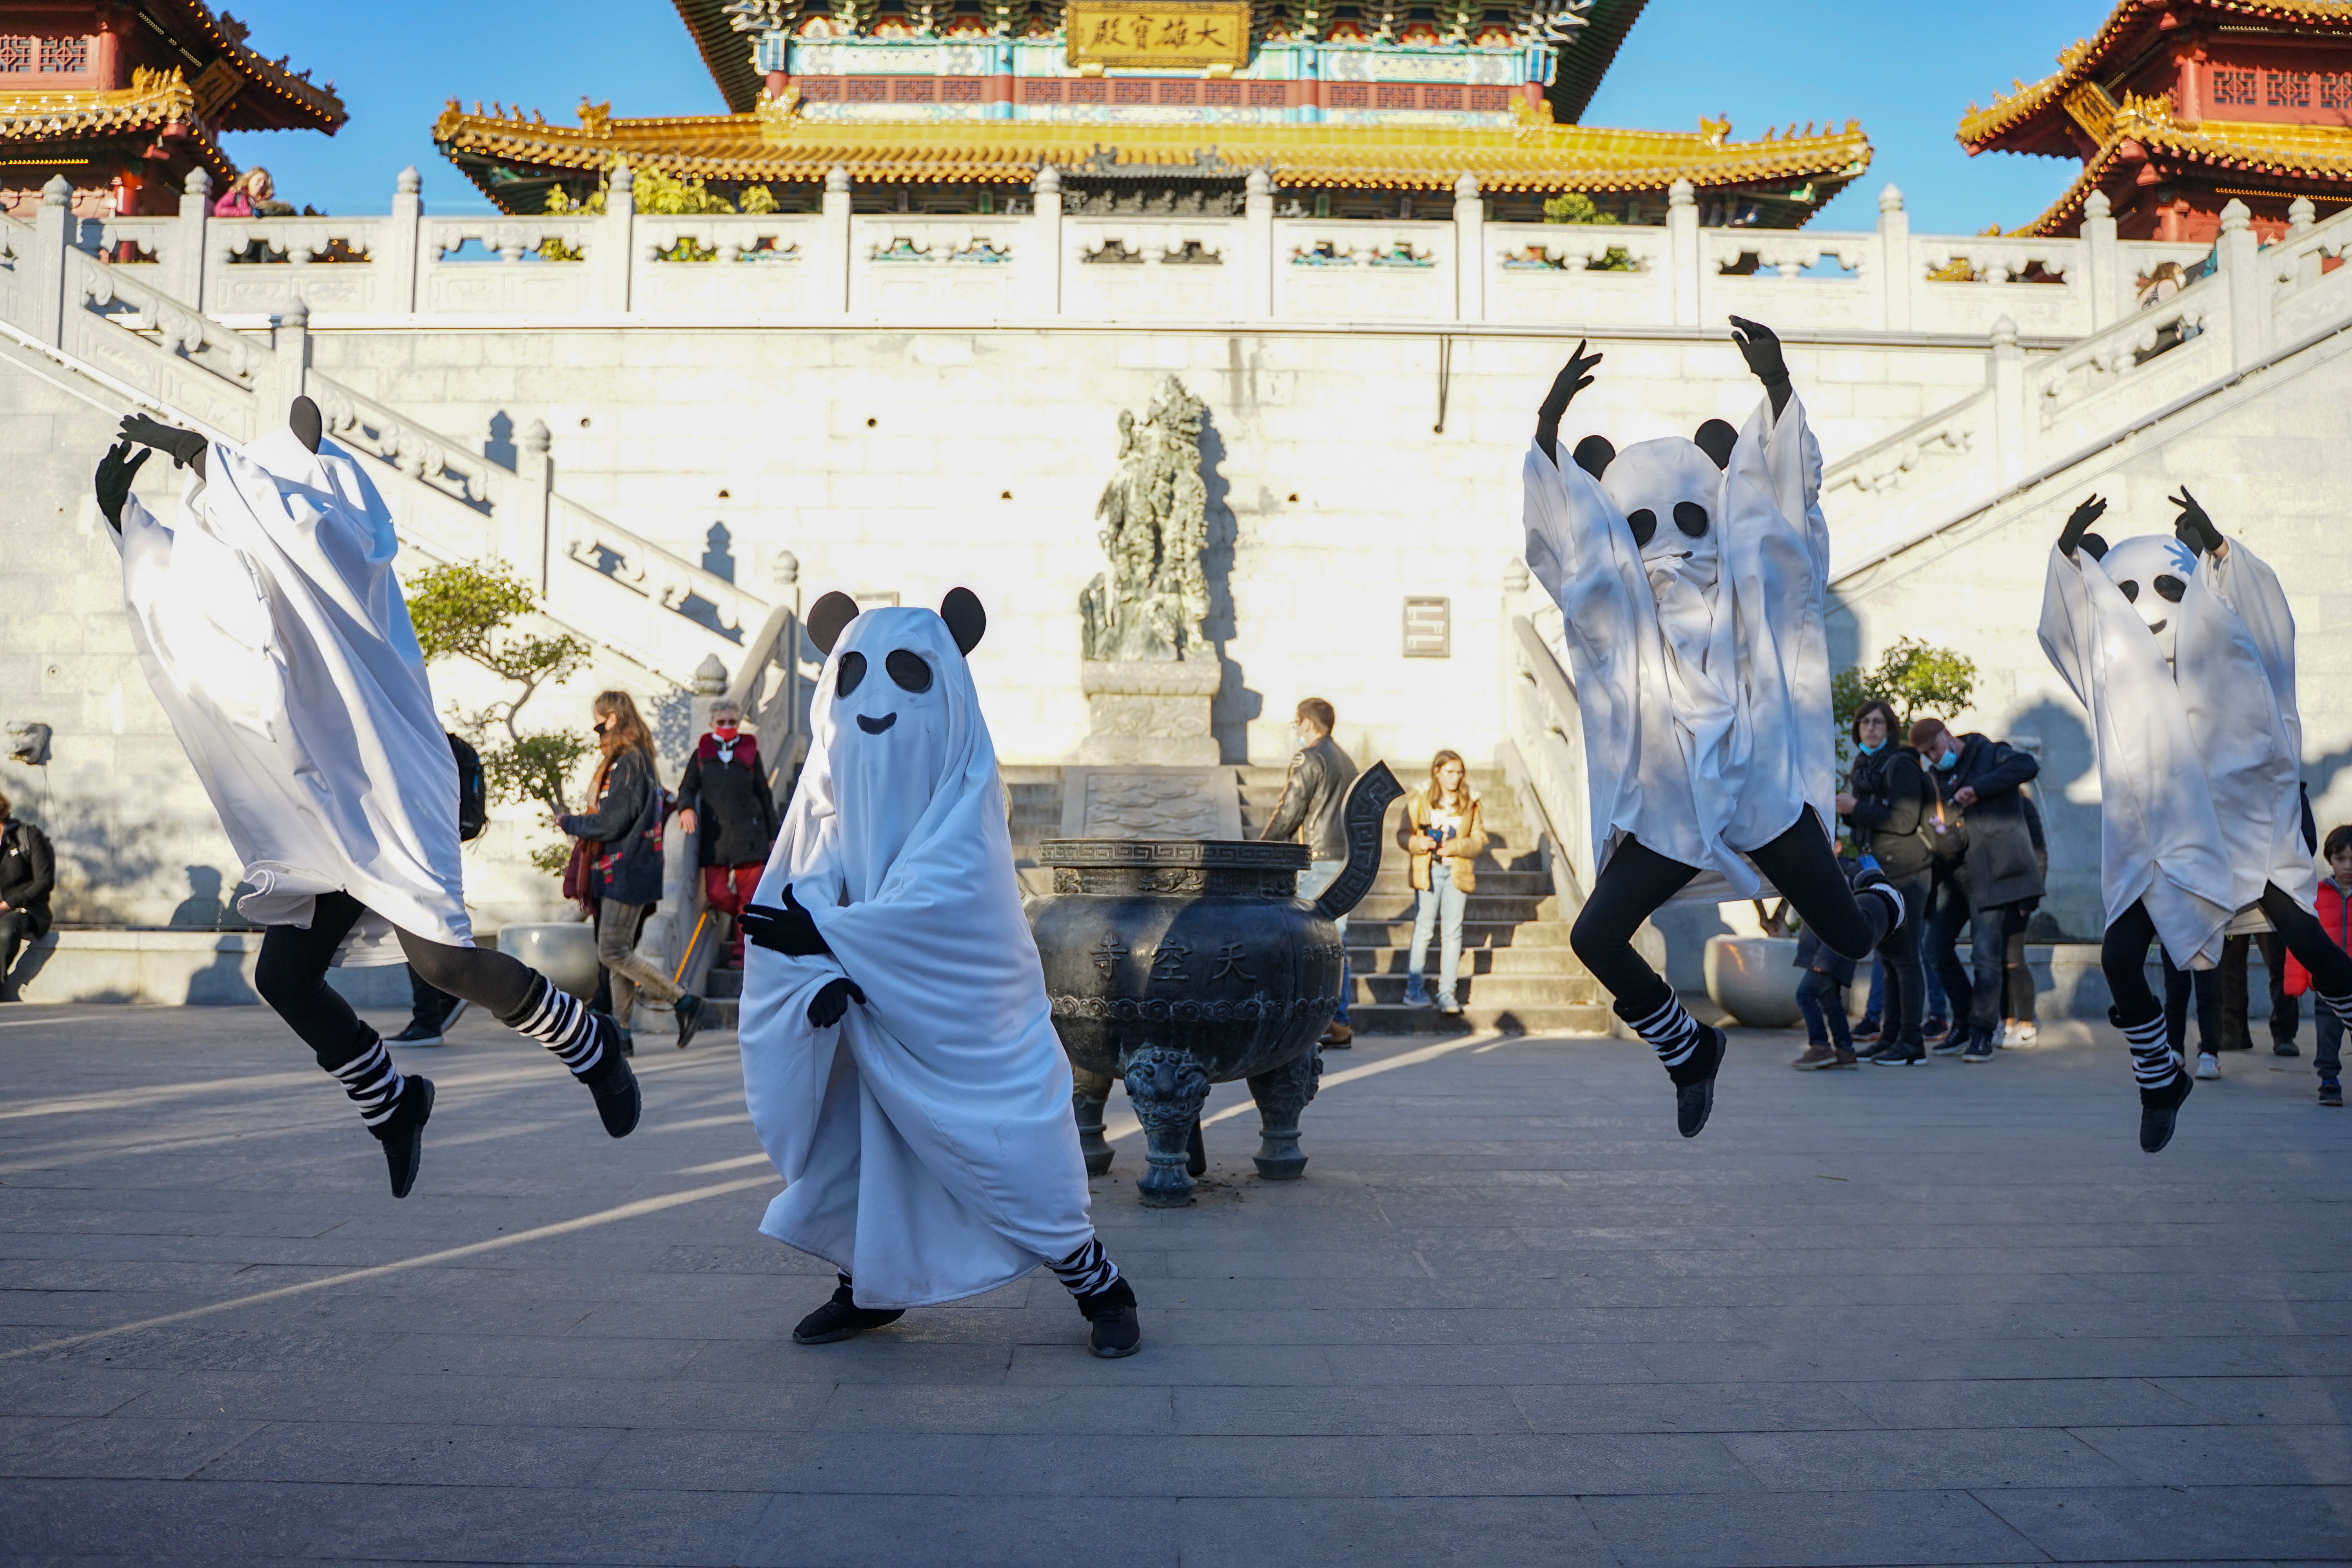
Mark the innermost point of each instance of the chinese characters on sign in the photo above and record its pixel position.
(1173, 35)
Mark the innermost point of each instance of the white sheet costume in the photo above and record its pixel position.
(274, 632)
(2200, 759)
(926, 1139)
(1701, 664)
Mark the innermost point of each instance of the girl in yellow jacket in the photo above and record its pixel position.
(1444, 835)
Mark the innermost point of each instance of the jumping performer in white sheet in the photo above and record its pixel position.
(1691, 576)
(2183, 650)
(925, 1132)
(275, 638)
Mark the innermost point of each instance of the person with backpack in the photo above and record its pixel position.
(624, 865)
(431, 1010)
(1987, 867)
(724, 799)
(1885, 805)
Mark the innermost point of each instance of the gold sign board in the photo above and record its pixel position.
(1171, 34)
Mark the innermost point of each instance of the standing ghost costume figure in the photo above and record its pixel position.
(899, 1059)
(1691, 577)
(2183, 651)
(275, 638)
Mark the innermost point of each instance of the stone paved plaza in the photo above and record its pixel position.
(1948, 1315)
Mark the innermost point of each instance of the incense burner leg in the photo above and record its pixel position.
(1282, 1095)
(1088, 1091)
(1166, 1087)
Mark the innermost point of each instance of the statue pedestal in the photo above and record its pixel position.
(1151, 712)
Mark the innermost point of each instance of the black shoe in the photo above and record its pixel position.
(2331, 1092)
(615, 1084)
(689, 1009)
(1694, 1081)
(2284, 1048)
(1980, 1049)
(1951, 1044)
(1873, 1052)
(842, 1319)
(1935, 1028)
(1118, 1330)
(1865, 1033)
(416, 1034)
(2159, 1108)
(1900, 1054)
(403, 1133)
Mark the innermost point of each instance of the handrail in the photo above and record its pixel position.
(1548, 736)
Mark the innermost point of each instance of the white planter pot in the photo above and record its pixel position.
(1754, 979)
(564, 952)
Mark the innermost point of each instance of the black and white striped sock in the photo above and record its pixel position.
(1087, 1270)
(1670, 1031)
(561, 1022)
(2153, 1062)
(372, 1082)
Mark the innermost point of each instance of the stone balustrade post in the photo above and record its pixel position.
(2248, 301)
(399, 256)
(1470, 260)
(526, 532)
(1683, 254)
(185, 268)
(2005, 374)
(289, 344)
(1258, 260)
(1042, 275)
(619, 241)
(1893, 266)
(2300, 215)
(2102, 261)
(833, 274)
(53, 236)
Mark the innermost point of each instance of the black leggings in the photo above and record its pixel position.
(2123, 955)
(291, 976)
(1638, 879)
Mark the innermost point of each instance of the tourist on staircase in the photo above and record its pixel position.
(724, 799)
(625, 875)
(1313, 798)
(1444, 835)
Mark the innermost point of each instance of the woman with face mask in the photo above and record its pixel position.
(1883, 803)
(724, 801)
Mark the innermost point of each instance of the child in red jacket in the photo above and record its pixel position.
(2334, 907)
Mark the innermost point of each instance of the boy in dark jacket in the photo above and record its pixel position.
(725, 798)
(28, 874)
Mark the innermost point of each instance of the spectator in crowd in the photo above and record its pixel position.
(2205, 986)
(2286, 1009)
(1313, 798)
(724, 799)
(251, 195)
(1444, 833)
(2335, 909)
(1820, 997)
(1884, 803)
(2018, 1028)
(625, 875)
(1981, 808)
(1939, 1013)
(28, 874)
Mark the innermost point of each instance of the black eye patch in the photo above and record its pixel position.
(2130, 592)
(1691, 518)
(2171, 587)
(853, 670)
(1645, 523)
(908, 671)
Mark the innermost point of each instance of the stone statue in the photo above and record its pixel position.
(1154, 517)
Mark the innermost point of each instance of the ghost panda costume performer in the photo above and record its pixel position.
(275, 638)
(899, 1059)
(2183, 651)
(1690, 577)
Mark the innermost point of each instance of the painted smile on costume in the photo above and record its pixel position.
(876, 726)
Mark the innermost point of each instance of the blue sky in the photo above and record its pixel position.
(1907, 72)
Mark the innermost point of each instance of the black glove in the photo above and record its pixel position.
(2193, 526)
(2078, 524)
(184, 446)
(1574, 377)
(791, 931)
(115, 473)
(832, 1000)
(1760, 347)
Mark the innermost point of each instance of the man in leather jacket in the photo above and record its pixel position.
(29, 873)
(1313, 798)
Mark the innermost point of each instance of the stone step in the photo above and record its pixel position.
(1375, 931)
(1396, 879)
(1488, 990)
(1515, 960)
(1481, 906)
(1388, 1019)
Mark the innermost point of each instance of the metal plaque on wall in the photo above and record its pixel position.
(1429, 628)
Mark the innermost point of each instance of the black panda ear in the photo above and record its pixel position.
(1716, 439)
(2097, 546)
(1593, 455)
(826, 618)
(306, 422)
(966, 620)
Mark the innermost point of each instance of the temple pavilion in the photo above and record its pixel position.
(1354, 110)
(125, 98)
(2177, 107)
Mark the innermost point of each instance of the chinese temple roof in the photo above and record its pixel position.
(724, 50)
(1582, 67)
(153, 101)
(2316, 156)
(774, 144)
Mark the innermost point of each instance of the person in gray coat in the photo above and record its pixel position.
(1980, 777)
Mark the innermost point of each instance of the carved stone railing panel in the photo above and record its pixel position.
(920, 265)
(1182, 269)
(541, 265)
(765, 263)
(1364, 271)
(122, 301)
